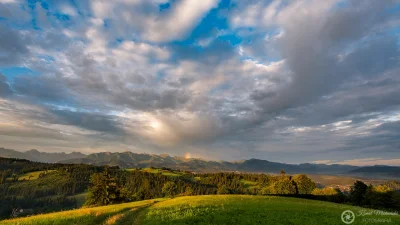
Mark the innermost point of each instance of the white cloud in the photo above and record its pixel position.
(175, 24)
(8, 1)
(69, 10)
(180, 21)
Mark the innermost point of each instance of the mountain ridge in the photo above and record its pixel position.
(129, 159)
(37, 156)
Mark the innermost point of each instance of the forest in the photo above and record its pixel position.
(45, 187)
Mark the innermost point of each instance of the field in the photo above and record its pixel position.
(96, 215)
(157, 170)
(32, 175)
(216, 209)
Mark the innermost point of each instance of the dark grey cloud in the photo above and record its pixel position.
(12, 46)
(41, 88)
(312, 53)
(87, 120)
(381, 141)
(5, 89)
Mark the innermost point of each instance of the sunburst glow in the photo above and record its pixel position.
(155, 124)
(187, 155)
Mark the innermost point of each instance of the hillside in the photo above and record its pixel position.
(220, 209)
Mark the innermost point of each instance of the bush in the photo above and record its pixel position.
(329, 194)
(304, 184)
(283, 186)
(188, 191)
(169, 189)
(379, 197)
(223, 190)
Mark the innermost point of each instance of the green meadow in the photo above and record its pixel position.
(32, 175)
(209, 209)
(159, 171)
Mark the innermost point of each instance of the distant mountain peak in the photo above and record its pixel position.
(32, 151)
(37, 156)
(129, 159)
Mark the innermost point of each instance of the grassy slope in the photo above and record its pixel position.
(96, 215)
(239, 209)
(216, 209)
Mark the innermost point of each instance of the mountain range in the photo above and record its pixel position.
(36, 156)
(140, 160)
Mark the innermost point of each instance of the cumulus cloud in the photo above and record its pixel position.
(262, 79)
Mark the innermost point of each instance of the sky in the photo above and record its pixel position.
(289, 81)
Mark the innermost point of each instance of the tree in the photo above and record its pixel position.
(357, 192)
(169, 189)
(324, 191)
(223, 190)
(267, 190)
(283, 187)
(329, 194)
(139, 195)
(103, 190)
(304, 184)
(379, 197)
(188, 191)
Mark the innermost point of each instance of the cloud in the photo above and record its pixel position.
(87, 120)
(173, 24)
(12, 46)
(5, 89)
(292, 81)
(172, 129)
(311, 52)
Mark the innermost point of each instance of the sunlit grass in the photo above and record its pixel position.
(248, 183)
(96, 215)
(209, 209)
(241, 209)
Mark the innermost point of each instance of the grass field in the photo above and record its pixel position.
(157, 170)
(32, 175)
(96, 215)
(215, 209)
(248, 183)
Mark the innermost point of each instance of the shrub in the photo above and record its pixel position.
(222, 190)
(169, 189)
(283, 186)
(304, 184)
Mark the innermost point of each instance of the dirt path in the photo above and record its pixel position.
(130, 217)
